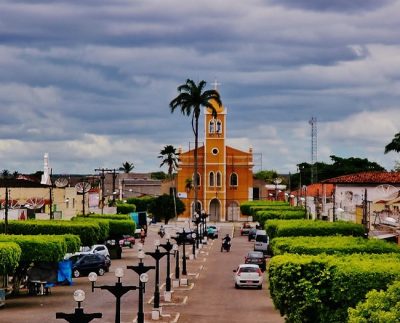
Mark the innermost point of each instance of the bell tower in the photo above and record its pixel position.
(215, 163)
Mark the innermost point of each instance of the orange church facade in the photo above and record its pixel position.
(225, 174)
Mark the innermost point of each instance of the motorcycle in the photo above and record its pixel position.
(161, 233)
(226, 245)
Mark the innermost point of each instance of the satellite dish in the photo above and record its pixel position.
(12, 204)
(387, 191)
(83, 187)
(61, 182)
(34, 203)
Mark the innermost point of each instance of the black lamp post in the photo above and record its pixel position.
(141, 270)
(118, 290)
(176, 250)
(6, 202)
(197, 221)
(194, 238)
(157, 255)
(78, 316)
(168, 247)
(181, 240)
(204, 216)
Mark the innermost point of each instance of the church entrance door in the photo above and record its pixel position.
(215, 210)
(233, 211)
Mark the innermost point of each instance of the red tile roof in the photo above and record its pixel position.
(316, 190)
(367, 178)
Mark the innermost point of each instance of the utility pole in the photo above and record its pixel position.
(102, 177)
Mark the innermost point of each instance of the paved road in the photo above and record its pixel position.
(213, 297)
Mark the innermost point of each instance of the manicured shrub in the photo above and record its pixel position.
(292, 228)
(88, 232)
(321, 288)
(111, 228)
(141, 203)
(107, 216)
(246, 208)
(10, 253)
(125, 208)
(379, 306)
(331, 245)
(262, 216)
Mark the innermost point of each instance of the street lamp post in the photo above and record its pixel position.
(204, 221)
(277, 181)
(118, 290)
(157, 255)
(141, 270)
(197, 221)
(78, 316)
(181, 239)
(168, 247)
(176, 249)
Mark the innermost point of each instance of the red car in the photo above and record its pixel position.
(127, 241)
(245, 229)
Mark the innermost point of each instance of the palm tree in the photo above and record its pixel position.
(394, 145)
(190, 100)
(171, 159)
(127, 167)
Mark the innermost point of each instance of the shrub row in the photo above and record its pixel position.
(246, 207)
(321, 288)
(10, 253)
(125, 208)
(331, 245)
(107, 216)
(88, 232)
(379, 306)
(262, 216)
(110, 228)
(290, 228)
(42, 248)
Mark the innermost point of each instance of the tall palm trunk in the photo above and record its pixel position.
(196, 166)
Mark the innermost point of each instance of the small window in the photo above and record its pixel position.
(219, 179)
(211, 126)
(211, 179)
(219, 126)
(234, 179)
(215, 151)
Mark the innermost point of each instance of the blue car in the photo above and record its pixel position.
(212, 232)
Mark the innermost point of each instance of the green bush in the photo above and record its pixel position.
(262, 216)
(111, 228)
(124, 208)
(293, 228)
(10, 253)
(107, 216)
(88, 232)
(246, 208)
(379, 307)
(331, 245)
(142, 203)
(321, 288)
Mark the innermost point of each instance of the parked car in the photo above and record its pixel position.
(257, 258)
(91, 262)
(245, 229)
(248, 275)
(252, 234)
(127, 241)
(262, 241)
(95, 249)
(212, 231)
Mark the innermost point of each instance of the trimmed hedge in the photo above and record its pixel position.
(41, 248)
(379, 306)
(88, 232)
(141, 203)
(106, 216)
(10, 253)
(262, 216)
(111, 228)
(293, 228)
(246, 208)
(331, 245)
(124, 208)
(321, 288)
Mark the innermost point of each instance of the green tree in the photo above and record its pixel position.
(266, 175)
(190, 100)
(394, 145)
(158, 175)
(5, 173)
(127, 167)
(171, 159)
(163, 207)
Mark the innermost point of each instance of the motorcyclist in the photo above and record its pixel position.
(161, 232)
(225, 242)
(142, 235)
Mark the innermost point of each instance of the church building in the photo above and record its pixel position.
(225, 174)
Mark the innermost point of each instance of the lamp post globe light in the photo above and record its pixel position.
(141, 270)
(78, 316)
(277, 181)
(176, 251)
(168, 246)
(118, 290)
(157, 255)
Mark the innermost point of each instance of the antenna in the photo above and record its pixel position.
(314, 155)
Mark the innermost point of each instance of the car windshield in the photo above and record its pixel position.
(248, 270)
(255, 255)
(262, 238)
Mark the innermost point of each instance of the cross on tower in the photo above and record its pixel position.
(215, 84)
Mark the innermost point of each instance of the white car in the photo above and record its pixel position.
(248, 275)
(97, 249)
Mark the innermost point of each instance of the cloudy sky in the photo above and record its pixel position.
(90, 81)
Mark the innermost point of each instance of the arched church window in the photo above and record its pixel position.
(219, 179)
(211, 179)
(198, 180)
(234, 179)
(219, 126)
(211, 126)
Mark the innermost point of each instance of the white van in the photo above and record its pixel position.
(261, 241)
